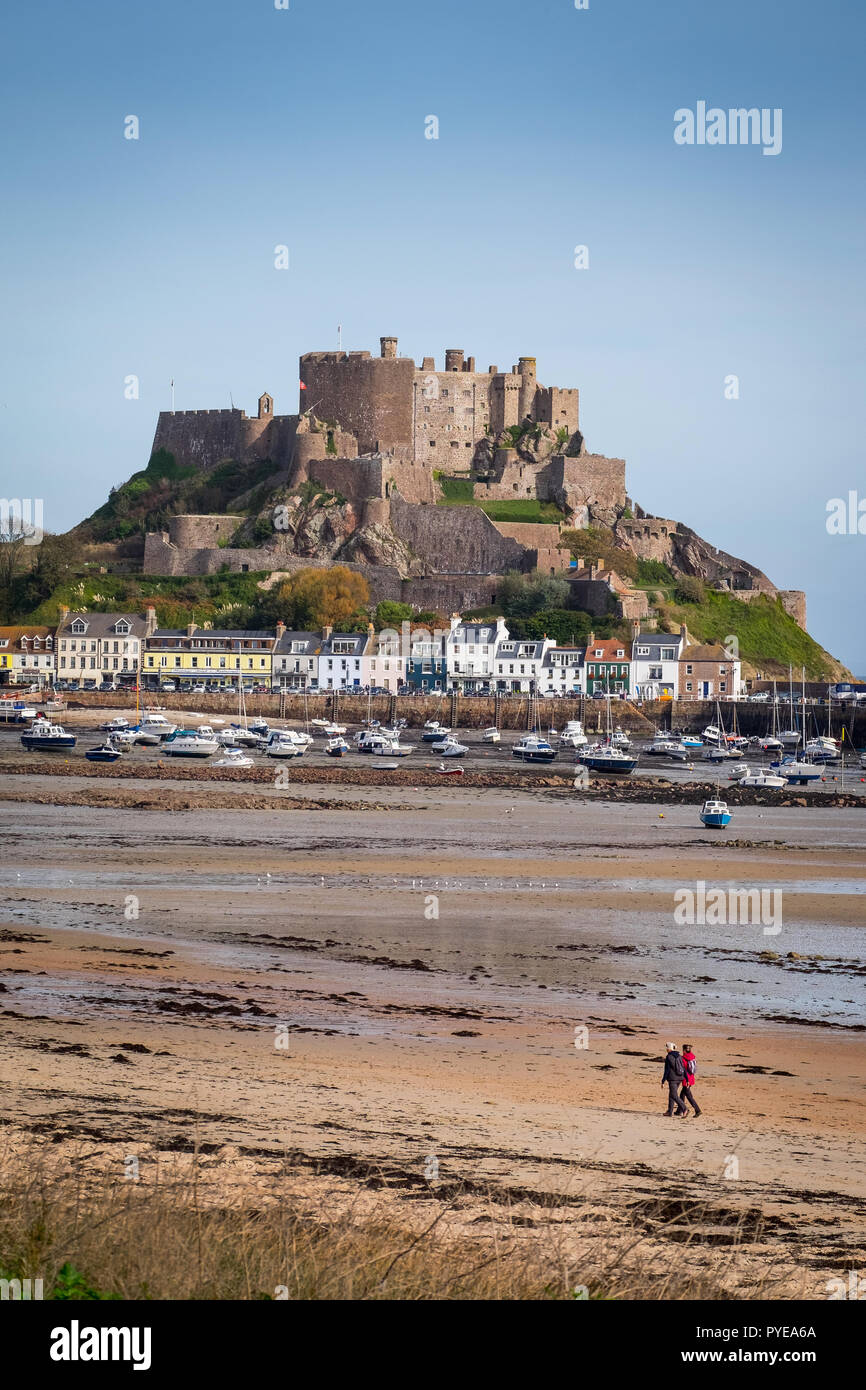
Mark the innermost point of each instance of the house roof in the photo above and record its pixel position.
(286, 643)
(526, 648)
(14, 634)
(655, 641)
(358, 639)
(102, 624)
(609, 647)
(711, 651)
(474, 634)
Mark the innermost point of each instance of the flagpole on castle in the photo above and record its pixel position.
(339, 337)
(172, 395)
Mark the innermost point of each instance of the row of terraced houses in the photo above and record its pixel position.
(93, 650)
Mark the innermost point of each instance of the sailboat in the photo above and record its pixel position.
(790, 737)
(771, 743)
(606, 756)
(799, 772)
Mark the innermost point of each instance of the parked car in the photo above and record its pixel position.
(198, 690)
(168, 685)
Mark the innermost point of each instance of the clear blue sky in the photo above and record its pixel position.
(306, 127)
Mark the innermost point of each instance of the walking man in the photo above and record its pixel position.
(674, 1075)
(690, 1067)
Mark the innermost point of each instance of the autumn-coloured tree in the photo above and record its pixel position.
(311, 598)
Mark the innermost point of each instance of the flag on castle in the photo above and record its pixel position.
(303, 385)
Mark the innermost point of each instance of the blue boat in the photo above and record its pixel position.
(107, 753)
(715, 815)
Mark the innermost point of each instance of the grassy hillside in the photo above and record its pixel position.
(165, 488)
(769, 638)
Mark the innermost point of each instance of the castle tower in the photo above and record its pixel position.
(388, 347)
(266, 406)
(454, 359)
(528, 386)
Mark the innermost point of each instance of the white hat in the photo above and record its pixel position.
(671, 1047)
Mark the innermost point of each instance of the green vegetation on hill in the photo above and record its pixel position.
(166, 488)
(460, 492)
(769, 638)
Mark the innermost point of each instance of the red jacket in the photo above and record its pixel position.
(688, 1057)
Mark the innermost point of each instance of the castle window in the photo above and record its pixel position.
(432, 443)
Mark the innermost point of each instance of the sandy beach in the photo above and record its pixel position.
(384, 996)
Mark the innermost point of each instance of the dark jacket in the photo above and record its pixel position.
(674, 1069)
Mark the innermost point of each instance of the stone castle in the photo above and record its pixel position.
(384, 436)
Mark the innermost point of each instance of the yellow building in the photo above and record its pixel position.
(203, 656)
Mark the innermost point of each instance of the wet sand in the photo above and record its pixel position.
(362, 981)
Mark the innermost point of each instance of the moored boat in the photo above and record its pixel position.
(715, 814)
(106, 753)
(189, 743)
(532, 748)
(43, 737)
(450, 748)
(491, 735)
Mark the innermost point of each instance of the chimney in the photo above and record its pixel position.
(149, 620)
(590, 641)
(470, 365)
(388, 347)
(635, 627)
(326, 632)
(371, 631)
(280, 629)
(190, 629)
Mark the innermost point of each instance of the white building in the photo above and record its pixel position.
(655, 665)
(295, 660)
(383, 663)
(341, 660)
(562, 671)
(470, 653)
(519, 664)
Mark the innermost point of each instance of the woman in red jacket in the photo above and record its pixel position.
(691, 1066)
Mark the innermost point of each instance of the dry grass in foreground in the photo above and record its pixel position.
(88, 1236)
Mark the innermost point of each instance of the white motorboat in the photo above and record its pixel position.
(762, 778)
(770, 744)
(189, 743)
(336, 747)
(620, 739)
(155, 723)
(334, 730)
(572, 735)
(798, 772)
(448, 747)
(385, 746)
(234, 757)
(738, 771)
(713, 734)
(44, 737)
(260, 727)
(281, 745)
(532, 748)
(491, 735)
(603, 757)
(114, 725)
(667, 746)
(718, 754)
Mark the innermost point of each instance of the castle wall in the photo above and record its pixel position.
(473, 547)
(202, 531)
(204, 438)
